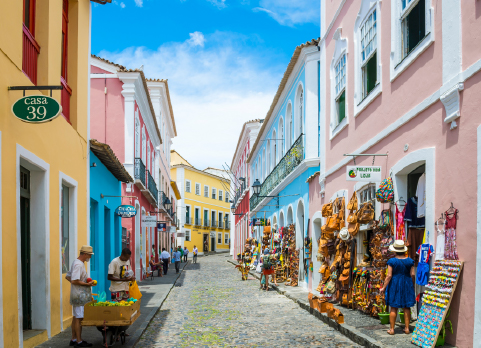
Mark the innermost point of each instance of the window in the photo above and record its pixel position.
(66, 91)
(413, 25)
(220, 219)
(187, 186)
(367, 194)
(187, 214)
(219, 238)
(65, 213)
(214, 193)
(30, 46)
(220, 195)
(206, 191)
(144, 146)
(341, 89)
(187, 235)
(197, 217)
(227, 197)
(369, 54)
(226, 238)
(197, 189)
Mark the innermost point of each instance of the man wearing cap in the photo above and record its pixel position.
(118, 276)
(80, 294)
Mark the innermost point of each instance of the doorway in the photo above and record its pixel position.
(212, 243)
(206, 240)
(25, 247)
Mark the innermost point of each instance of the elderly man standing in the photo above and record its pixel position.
(80, 294)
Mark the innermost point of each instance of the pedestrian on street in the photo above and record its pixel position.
(177, 257)
(267, 267)
(165, 257)
(399, 285)
(195, 251)
(186, 254)
(118, 276)
(156, 266)
(181, 253)
(206, 246)
(80, 294)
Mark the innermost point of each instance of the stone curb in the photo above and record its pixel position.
(349, 331)
(138, 333)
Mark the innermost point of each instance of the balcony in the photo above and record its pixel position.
(188, 221)
(139, 174)
(227, 225)
(152, 186)
(206, 223)
(239, 192)
(66, 93)
(213, 224)
(293, 157)
(31, 49)
(221, 224)
(197, 222)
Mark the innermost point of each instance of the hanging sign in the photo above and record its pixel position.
(36, 109)
(162, 227)
(212, 234)
(363, 173)
(149, 221)
(173, 229)
(126, 211)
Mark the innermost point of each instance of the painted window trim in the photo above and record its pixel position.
(397, 64)
(190, 186)
(200, 189)
(208, 191)
(341, 49)
(213, 192)
(190, 213)
(220, 195)
(187, 232)
(219, 240)
(226, 240)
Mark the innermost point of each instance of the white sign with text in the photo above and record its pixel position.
(149, 221)
(363, 173)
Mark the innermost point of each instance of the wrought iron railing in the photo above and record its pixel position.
(188, 221)
(139, 170)
(239, 192)
(213, 223)
(152, 186)
(206, 223)
(293, 157)
(227, 225)
(220, 224)
(197, 222)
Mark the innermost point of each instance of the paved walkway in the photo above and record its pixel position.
(210, 306)
(154, 292)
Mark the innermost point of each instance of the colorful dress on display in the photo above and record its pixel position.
(400, 290)
(400, 227)
(451, 250)
(424, 251)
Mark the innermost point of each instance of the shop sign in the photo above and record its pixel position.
(181, 234)
(173, 229)
(126, 211)
(36, 109)
(212, 234)
(162, 227)
(149, 221)
(363, 173)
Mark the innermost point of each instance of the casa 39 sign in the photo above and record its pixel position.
(36, 109)
(363, 173)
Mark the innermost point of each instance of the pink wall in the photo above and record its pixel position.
(471, 27)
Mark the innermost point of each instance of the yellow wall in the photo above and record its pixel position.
(60, 144)
(199, 201)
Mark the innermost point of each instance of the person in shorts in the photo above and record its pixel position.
(195, 251)
(80, 294)
(120, 274)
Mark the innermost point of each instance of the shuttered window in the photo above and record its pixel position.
(214, 193)
(187, 186)
(197, 189)
(220, 195)
(206, 191)
(369, 75)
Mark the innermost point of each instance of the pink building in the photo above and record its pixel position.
(241, 169)
(134, 116)
(402, 78)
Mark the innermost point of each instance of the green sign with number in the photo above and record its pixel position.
(36, 109)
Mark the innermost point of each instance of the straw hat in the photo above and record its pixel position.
(87, 249)
(398, 246)
(344, 234)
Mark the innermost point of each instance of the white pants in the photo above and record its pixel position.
(78, 312)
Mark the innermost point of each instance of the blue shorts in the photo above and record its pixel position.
(422, 275)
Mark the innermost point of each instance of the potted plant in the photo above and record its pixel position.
(383, 315)
(401, 317)
(442, 334)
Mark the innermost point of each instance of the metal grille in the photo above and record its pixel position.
(139, 170)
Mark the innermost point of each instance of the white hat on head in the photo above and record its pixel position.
(398, 246)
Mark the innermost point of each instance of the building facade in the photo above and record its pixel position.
(241, 187)
(44, 166)
(286, 151)
(402, 79)
(203, 207)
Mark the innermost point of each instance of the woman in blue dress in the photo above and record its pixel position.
(399, 285)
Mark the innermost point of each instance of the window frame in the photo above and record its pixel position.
(342, 89)
(226, 240)
(188, 222)
(221, 195)
(213, 193)
(227, 197)
(187, 236)
(189, 185)
(206, 193)
(219, 237)
(197, 186)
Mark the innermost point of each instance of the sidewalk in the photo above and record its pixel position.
(154, 293)
(359, 327)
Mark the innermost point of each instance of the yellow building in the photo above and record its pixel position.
(204, 208)
(44, 165)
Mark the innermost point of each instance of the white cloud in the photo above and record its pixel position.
(214, 88)
(139, 3)
(122, 5)
(218, 3)
(291, 12)
(196, 39)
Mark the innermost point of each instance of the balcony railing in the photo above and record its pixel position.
(197, 222)
(188, 221)
(227, 225)
(239, 192)
(31, 49)
(221, 224)
(152, 186)
(293, 157)
(213, 224)
(139, 171)
(206, 223)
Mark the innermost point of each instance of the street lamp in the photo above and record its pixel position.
(256, 187)
(167, 204)
(232, 209)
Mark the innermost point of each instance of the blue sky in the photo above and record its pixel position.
(223, 58)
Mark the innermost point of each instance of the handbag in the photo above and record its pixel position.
(330, 287)
(352, 205)
(352, 218)
(353, 229)
(332, 223)
(365, 214)
(385, 193)
(326, 209)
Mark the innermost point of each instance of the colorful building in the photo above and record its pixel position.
(414, 98)
(286, 151)
(241, 170)
(203, 207)
(44, 166)
(106, 231)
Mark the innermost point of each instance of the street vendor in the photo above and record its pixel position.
(120, 277)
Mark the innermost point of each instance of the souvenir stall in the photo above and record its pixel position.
(245, 259)
(289, 257)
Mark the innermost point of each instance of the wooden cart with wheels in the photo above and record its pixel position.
(112, 322)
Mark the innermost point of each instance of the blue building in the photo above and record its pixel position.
(106, 235)
(286, 151)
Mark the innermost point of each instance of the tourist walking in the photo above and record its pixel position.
(206, 246)
(186, 254)
(177, 257)
(399, 285)
(165, 257)
(195, 251)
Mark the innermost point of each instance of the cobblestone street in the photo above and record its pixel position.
(211, 306)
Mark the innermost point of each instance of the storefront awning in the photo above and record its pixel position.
(108, 158)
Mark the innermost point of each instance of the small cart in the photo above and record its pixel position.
(112, 322)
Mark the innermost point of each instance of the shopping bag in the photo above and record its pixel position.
(134, 290)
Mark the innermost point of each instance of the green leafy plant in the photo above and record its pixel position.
(445, 324)
(382, 307)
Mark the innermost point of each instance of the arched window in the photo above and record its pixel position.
(148, 159)
(137, 135)
(274, 152)
(281, 136)
(300, 111)
(144, 146)
(289, 129)
(268, 166)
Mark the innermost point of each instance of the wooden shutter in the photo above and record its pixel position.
(341, 106)
(206, 191)
(187, 186)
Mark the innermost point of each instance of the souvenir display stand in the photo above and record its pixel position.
(443, 280)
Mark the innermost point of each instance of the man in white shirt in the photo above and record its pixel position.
(119, 281)
(80, 294)
(195, 251)
(186, 253)
(165, 256)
